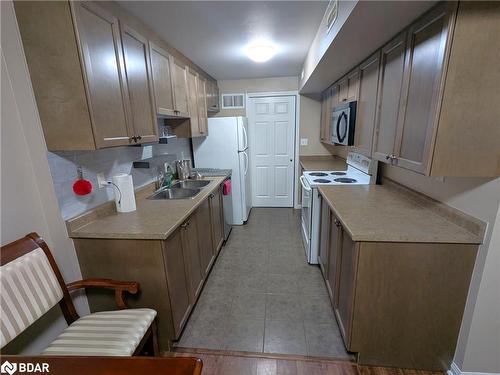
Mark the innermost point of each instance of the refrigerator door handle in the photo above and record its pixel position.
(246, 162)
(245, 136)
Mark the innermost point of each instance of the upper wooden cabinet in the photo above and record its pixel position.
(103, 69)
(140, 85)
(161, 64)
(447, 112)
(180, 81)
(389, 93)
(98, 83)
(201, 94)
(212, 97)
(348, 87)
(367, 104)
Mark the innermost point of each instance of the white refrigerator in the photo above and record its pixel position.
(226, 147)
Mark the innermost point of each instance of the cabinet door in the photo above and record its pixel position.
(353, 85)
(324, 239)
(205, 242)
(392, 60)
(333, 259)
(217, 216)
(323, 131)
(161, 63)
(202, 105)
(426, 46)
(367, 105)
(177, 280)
(179, 76)
(343, 90)
(98, 35)
(140, 85)
(346, 285)
(192, 257)
(193, 103)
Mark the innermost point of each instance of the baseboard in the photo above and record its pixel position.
(455, 370)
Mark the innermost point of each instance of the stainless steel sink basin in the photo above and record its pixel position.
(191, 184)
(175, 193)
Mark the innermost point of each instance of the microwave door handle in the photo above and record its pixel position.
(303, 183)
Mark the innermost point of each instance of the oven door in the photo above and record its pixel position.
(306, 214)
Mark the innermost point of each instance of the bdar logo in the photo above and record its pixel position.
(8, 368)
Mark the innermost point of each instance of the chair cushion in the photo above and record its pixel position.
(106, 333)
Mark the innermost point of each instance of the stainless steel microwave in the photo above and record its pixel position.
(342, 123)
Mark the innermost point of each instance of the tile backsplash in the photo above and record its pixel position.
(111, 161)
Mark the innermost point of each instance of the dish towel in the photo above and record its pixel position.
(226, 188)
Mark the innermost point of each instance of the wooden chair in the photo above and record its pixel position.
(31, 284)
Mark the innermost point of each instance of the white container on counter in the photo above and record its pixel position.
(123, 186)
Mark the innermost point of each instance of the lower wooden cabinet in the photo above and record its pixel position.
(397, 304)
(324, 239)
(205, 242)
(217, 219)
(171, 273)
(190, 241)
(177, 281)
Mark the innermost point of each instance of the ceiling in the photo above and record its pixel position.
(213, 34)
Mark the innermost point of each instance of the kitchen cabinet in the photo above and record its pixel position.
(190, 241)
(424, 63)
(344, 301)
(161, 63)
(140, 85)
(217, 216)
(367, 105)
(324, 239)
(194, 124)
(177, 281)
(201, 94)
(205, 241)
(390, 82)
(348, 87)
(212, 97)
(181, 90)
(325, 116)
(171, 272)
(99, 44)
(333, 248)
(388, 295)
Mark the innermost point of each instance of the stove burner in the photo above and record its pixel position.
(322, 180)
(345, 180)
(318, 174)
(338, 173)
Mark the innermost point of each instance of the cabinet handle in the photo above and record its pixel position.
(212, 196)
(337, 223)
(185, 225)
(134, 138)
(139, 137)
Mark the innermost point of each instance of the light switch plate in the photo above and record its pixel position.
(304, 141)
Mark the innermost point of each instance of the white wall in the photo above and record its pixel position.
(309, 109)
(28, 201)
(479, 341)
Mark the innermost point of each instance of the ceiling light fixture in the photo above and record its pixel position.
(261, 51)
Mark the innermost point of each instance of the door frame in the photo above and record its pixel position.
(296, 170)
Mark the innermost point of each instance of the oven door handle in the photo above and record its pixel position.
(303, 183)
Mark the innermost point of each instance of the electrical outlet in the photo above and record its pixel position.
(304, 141)
(101, 181)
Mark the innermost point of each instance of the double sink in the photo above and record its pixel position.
(181, 190)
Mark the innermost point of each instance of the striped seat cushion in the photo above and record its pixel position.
(29, 288)
(107, 333)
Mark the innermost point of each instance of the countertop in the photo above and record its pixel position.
(153, 219)
(322, 163)
(385, 213)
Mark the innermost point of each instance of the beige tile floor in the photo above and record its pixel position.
(262, 296)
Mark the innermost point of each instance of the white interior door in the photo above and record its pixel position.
(272, 149)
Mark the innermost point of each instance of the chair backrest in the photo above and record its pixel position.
(31, 284)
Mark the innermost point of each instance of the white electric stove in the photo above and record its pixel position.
(361, 170)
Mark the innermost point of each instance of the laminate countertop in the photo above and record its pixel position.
(153, 219)
(322, 163)
(389, 213)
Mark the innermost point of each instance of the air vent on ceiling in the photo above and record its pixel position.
(332, 11)
(233, 101)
